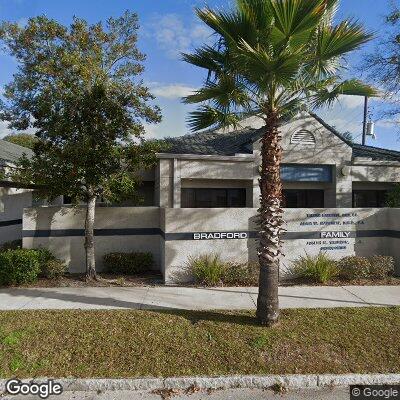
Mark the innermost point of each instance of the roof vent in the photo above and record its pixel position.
(303, 137)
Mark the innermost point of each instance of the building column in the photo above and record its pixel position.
(256, 177)
(344, 187)
(256, 193)
(176, 183)
(164, 183)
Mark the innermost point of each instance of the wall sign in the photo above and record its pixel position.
(341, 239)
(335, 235)
(220, 235)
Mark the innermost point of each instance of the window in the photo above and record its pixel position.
(213, 198)
(369, 198)
(303, 137)
(307, 198)
(306, 173)
(67, 200)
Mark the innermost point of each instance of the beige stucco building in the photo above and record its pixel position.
(203, 196)
(320, 169)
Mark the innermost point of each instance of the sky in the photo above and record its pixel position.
(170, 27)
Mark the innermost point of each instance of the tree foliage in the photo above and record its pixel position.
(78, 87)
(393, 197)
(382, 65)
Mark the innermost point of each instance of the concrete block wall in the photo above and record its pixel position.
(174, 235)
(365, 232)
(12, 203)
(119, 229)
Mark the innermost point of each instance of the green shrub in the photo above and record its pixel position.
(128, 263)
(13, 245)
(207, 269)
(354, 267)
(318, 269)
(50, 266)
(18, 267)
(246, 274)
(381, 267)
(53, 269)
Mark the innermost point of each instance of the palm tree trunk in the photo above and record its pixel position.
(271, 222)
(89, 238)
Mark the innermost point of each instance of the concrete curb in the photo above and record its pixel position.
(222, 382)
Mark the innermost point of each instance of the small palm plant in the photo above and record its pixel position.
(271, 59)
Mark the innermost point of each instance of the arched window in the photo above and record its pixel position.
(303, 137)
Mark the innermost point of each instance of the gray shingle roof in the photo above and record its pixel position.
(10, 152)
(214, 143)
(375, 153)
(236, 142)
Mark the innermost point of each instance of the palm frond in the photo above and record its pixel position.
(226, 91)
(351, 87)
(208, 58)
(261, 65)
(232, 26)
(273, 55)
(332, 7)
(332, 43)
(208, 117)
(296, 17)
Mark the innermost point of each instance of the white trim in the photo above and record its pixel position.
(237, 157)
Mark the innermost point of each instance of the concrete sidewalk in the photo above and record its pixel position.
(190, 298)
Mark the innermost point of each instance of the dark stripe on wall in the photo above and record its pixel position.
(10, 223)
(97, 232)
(190, 235)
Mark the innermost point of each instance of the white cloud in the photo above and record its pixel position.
(22, 22)
(4, 131)
(152, 131)
(172, 91)
(174, 36)
(388, 123)
(351, 101)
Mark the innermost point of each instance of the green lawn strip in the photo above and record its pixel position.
(123, 344)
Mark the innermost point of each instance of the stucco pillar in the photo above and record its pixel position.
(3, 192)
(176, 184)
(256, 193)
(344, 187)
(164, 183)
(256, 184)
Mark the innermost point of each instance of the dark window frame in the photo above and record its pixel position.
(304, 198)
(378, 199)
(219, 198)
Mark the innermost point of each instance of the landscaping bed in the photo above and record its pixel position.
(389, 281)
(123, 344)
(40, 268)
(104, 280)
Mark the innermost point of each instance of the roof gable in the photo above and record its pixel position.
(11, 153)
(240, 141)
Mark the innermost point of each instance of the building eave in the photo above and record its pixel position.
(208, 157)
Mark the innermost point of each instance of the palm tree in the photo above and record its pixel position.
(271, 59)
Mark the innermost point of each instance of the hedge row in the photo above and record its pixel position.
(21, 266)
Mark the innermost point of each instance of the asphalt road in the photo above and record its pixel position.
(236, 394)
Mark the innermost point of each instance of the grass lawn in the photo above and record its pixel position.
(176, 343)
